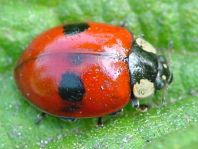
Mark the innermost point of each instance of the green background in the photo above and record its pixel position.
(169, 125)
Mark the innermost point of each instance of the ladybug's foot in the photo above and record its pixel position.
(99, 122)
(138, 106)
(143, 108)
(40, 117)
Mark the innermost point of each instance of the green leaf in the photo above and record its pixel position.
(169, 125)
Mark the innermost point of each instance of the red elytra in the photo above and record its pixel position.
(77, 70)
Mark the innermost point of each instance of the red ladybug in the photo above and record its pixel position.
(89, 70)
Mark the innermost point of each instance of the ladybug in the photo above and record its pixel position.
(89, 70)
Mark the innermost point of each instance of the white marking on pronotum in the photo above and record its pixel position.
(146, 46)
(143, 89)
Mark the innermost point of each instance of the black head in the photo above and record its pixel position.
(149, 71)
(164, 76)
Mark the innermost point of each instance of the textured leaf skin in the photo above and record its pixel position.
(169, 125)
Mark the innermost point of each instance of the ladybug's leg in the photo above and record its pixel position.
(141, 107)
(99, 121)
(135, 102)
(123, 23)
(68, 119)
(40, 117)
(114, 113)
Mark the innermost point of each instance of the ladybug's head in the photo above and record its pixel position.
(149, 71)
(164, 76)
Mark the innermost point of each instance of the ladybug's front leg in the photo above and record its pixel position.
(136, 104)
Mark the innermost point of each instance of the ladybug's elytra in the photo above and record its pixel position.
(89, 70)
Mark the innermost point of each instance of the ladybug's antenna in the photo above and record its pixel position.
(169, 52)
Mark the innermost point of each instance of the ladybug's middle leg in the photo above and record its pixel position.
(40, 117)
(69, 119)
(99, 122)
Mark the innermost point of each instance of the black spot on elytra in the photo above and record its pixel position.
(71, 87)
(75, 28)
